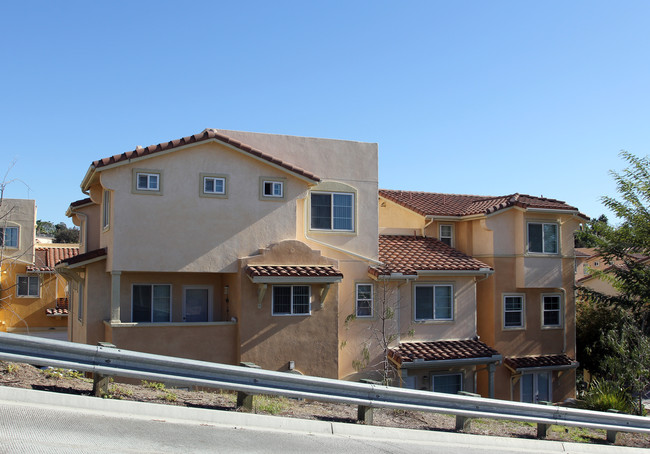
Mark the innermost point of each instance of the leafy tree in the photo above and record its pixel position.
(63, 234)
(45, 228)
(595, 227)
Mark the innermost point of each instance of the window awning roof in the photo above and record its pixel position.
(420, 354)
(266, 274)
(542, 362)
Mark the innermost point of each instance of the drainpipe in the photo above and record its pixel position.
(564, 320)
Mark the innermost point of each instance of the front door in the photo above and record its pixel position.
(197, 303)
(536, 387)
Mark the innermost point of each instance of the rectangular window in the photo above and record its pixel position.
(151, 302)
(291, 300)
(214, 185)
(106, 210)
(434, 302)
(273, 189)
(80, 302)
(552, 310)
(447, 383)
(364, 300)
(332, 211)
(447, 234)
(542, 238)
(513, 311)
(28, 286)
(9, 237)
(148, 181)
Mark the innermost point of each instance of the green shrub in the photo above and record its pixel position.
(606, 395)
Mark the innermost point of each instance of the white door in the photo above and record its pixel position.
(197, 303)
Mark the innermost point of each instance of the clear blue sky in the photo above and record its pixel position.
(470, 97)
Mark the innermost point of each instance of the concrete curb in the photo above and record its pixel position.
(171, 413)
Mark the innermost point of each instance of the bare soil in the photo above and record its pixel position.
(71, 382)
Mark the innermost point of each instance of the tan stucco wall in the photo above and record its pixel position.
(88, 219)
(394, 219)
(19, 213)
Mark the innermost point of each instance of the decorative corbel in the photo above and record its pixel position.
(261, 291)
(323, 294)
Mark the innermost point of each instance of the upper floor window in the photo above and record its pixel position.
(543, 238)
(272, 189)
(151, 303)
(447, 234)
(106, 209)
(291, 300)
(434, 302)
(513, 311)
(364, 300)
(147, 181)
(28, 286)
(9, 237)
(332, 211)
(214, 185)
(552, 310)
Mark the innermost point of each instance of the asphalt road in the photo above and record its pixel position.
(42, 422)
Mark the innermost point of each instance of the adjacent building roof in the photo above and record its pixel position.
(270, 273)
(409, 254)
(87, 256)
(543, 361)
(205, 135)
(409, 352)
(45, 258)
(435, 204)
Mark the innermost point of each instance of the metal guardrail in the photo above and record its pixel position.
(107, 361)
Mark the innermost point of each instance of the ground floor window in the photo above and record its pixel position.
(536, 387)
(28, 286)
(447, 383)
(291, 300)
(151, 302)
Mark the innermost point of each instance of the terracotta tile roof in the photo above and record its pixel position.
(408, 352)
(52, 312)
(410, 254)
(548, 361)
(81, 202)
(436, 204)
(205, 135)
(585, 252)
(45, 258)
(292, 271)
(83, 257)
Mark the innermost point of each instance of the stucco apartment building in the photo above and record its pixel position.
(33, 298)
(234, 247)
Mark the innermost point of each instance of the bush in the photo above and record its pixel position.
(606, 395)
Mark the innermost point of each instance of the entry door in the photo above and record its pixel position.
(536, 387)
(197, 303)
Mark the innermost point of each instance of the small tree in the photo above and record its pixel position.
(63, 234)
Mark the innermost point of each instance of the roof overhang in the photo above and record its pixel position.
(479, 272)
(421, 364)
(296, 279)
(521, 370)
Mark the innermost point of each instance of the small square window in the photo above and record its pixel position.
(28, 286)
(273, 189)
(214, 185)
(543, 238)
(148, 181)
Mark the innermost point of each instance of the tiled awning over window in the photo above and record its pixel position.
(550, 362)
(413, 352)
(293, 273)
(46, 257)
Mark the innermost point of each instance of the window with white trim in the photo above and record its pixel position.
(364, 300)
(543, 238)
(552, 310)
(214, 185)
(513, 311)
(151, 302)
(291, 300)
(9, 237)
(447, 234)
(447, 383)
(272, 189)
(332, 211)
(148, 181)
(28, 286)
(106, 209)
(434, 302)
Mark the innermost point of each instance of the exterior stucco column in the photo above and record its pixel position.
(491, 368)
(115, 296)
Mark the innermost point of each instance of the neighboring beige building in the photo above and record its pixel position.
(525, 308)
(234, 247)
(33, 298)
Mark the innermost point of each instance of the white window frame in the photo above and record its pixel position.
(535, 378)
(331, 217)
(559, 310)
(434, 319)
(150, 176)
(450, 237)
(203, 177)
(433, 379)
(368, 301)
(522, 311)
(273, 185)
(29, 278)
(543, 250)
(3, 237)
(292, 312)
(214, 185)
(106, 210)
(152, 285)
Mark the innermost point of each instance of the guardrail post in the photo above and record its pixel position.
(245, 400)
(542, 429)
(612, 435)
(365, 414)
(100, 382)
(463, 422)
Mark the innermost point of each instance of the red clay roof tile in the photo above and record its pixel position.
(52, 312)
(410, 254)
(408, 352)
(45, 258)
(292, 271)
(83, 257)
(549, 361)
